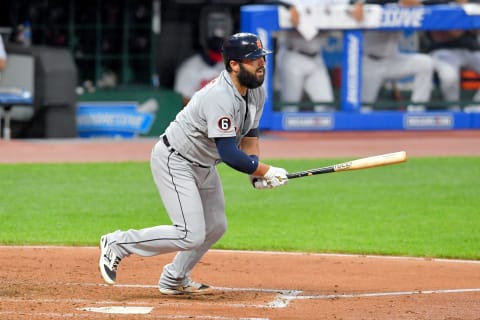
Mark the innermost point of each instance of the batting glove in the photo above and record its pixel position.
(276, 177)
(259, 182)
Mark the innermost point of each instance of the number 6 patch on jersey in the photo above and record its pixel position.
(224, 123)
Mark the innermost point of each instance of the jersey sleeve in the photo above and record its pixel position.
(220, 116)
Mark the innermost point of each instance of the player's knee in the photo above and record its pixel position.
(426, 64)
(192, 238)
(450, 79)
(218, 230)
(195, 240)
(292, 73)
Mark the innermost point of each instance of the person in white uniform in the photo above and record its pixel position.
(453, 50)
(219, 124)
(383, 61)
(199, 69)
(3, 55)
(300, 65)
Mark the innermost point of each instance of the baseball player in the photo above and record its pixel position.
(300, 64)
(382, 61)
(219, 124)
(452, 50)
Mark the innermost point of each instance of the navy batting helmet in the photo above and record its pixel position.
(243, 46)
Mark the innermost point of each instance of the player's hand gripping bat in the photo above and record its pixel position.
(362, 163)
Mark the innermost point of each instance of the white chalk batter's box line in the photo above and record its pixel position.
(282, 300)
(284, 297)
(88, 315)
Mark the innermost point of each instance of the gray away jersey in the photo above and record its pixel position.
(218, 110)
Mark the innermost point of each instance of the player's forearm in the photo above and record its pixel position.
(261, 169)
(234, 157)
(250, 145)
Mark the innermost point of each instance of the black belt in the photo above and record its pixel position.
(375, 57)
(167, 144)
(305, 53)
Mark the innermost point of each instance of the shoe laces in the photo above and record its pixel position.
(115, 263)
(113, 260)
(193, 284)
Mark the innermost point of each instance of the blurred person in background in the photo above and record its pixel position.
(300, 65)
(196, 71)
(453, 50)
(382, 61)
(3, 55)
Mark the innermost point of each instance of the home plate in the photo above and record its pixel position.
(119, 310)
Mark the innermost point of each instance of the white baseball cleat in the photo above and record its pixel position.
(192, 288)
(108, 263)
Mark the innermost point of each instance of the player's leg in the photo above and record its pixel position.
(318, 85)
(472, 59)
(372, 78)
(295, 67)
(176, 275)
(176, 183)
(447, 65)
(418, 65)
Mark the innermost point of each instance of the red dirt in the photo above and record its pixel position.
(61, 282)
(273, 145)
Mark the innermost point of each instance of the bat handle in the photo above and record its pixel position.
(298, 175)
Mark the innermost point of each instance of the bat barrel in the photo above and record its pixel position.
(362, 163)
(374, 161)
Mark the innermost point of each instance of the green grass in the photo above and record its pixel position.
(425, 207)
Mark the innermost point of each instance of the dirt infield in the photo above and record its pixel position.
(64, 282)
(58, 282)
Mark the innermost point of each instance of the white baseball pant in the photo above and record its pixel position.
(299, 72)
(448, 64)
(376, 71)
(194, 200)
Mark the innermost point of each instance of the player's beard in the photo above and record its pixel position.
(249, 79)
